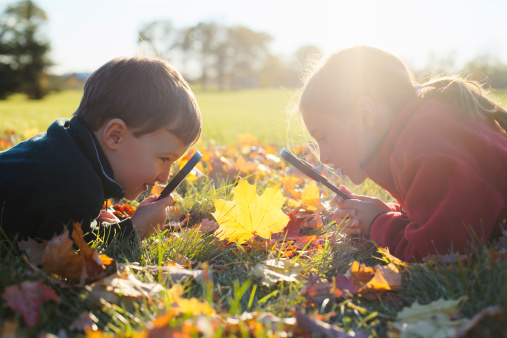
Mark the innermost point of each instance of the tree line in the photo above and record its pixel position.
(226, 57)
(209, 53)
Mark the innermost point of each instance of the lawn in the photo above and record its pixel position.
(187, 282)
(260, 112)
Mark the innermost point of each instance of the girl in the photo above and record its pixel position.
(440, 149)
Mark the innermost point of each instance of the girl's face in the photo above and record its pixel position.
(346, 139)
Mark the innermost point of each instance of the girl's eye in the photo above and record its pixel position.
(320, 139)
(165, 159)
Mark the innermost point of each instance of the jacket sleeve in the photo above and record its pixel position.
(447, 203)
(54, 220)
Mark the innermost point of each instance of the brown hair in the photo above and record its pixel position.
(146, 93)
(363, 70)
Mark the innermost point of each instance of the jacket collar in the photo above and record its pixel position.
(89, 144)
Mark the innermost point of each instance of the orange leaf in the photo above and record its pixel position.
(360, 273)
(386, 278)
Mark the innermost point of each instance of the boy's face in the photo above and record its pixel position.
(139, 162)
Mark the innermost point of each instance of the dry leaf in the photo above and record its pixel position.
(436, 319)
(277, 270)
(310, 197)
(123, 285)
(386, 278)
(190, 306)
(60, 258)
(27, 297)
(33, 249)
(360, 273)
(249, 214)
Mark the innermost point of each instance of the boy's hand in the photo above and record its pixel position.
(151, 215)
(107, 216)
(356, 214)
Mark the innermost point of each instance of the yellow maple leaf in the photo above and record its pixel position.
(310, 197)
(249, 214)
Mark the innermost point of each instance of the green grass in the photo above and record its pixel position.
(233, 290)
(259, 112)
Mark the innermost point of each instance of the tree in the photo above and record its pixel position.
(160, 38)
(23, 51)
(202, 41)
(248, 53)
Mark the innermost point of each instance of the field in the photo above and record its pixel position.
(262, 113)
(184, 281)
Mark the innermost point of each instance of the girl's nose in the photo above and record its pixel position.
(324, 157)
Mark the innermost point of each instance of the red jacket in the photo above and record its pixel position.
(449, 175)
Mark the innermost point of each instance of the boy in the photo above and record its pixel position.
(137, 116)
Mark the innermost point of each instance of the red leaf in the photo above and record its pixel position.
(26, 298)
(343, 286)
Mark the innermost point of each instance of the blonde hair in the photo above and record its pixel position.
(146, 93)
(346, 75)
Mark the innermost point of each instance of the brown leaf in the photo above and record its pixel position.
(60, 259)
(27, 297)
(33, 249)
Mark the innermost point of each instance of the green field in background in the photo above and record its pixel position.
(260, 112)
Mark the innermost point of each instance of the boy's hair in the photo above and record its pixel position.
(363, 70)
(146, 93)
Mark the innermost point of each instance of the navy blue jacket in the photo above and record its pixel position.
(54, 179)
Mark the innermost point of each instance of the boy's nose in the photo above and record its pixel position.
(164, 176)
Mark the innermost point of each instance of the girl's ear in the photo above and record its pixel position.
(114, 133)
(367, 112)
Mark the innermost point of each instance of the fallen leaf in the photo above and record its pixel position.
(310, 197)
(84, 267)
(177, 273)
(249, 214)
(277, 270)
(436, 319)
(59, 258)
(190, 306)
(27, 297)
(386, 277)
(123, 286)
(360, 272)
(33, 249)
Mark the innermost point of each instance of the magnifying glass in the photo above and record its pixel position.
(307, 169)
(180, 176)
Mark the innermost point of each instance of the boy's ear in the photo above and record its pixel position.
(114, 133)
(367, 112)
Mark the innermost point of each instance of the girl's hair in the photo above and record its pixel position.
(146, 93)
(350, 73)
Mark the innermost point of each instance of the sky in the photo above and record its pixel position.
(86, 34)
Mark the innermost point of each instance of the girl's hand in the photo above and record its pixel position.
(151, 215)
(356, 214)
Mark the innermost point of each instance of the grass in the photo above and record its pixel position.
(233, 292)
(260, 112)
